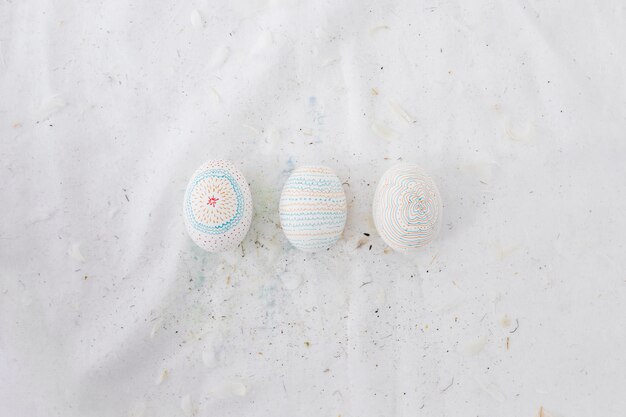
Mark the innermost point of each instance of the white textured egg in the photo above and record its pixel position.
(217, 206)
(407, 207)
(313, 208)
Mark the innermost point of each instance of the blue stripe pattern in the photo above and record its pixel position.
(313, 208)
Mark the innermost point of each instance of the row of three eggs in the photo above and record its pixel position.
(313, 209)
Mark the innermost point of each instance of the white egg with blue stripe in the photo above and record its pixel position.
(313, 208)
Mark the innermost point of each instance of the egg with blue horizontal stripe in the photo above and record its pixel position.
(217, 206)
(407, 207)
(313, 208)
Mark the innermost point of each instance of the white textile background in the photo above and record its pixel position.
(517, 108)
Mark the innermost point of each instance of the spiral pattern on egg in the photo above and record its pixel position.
(215, 203)
(217, 206)
(407, 207)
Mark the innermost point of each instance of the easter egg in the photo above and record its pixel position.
(313, 208)
(217, 206)
(407, 207)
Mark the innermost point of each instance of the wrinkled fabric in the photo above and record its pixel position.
(516, 109)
